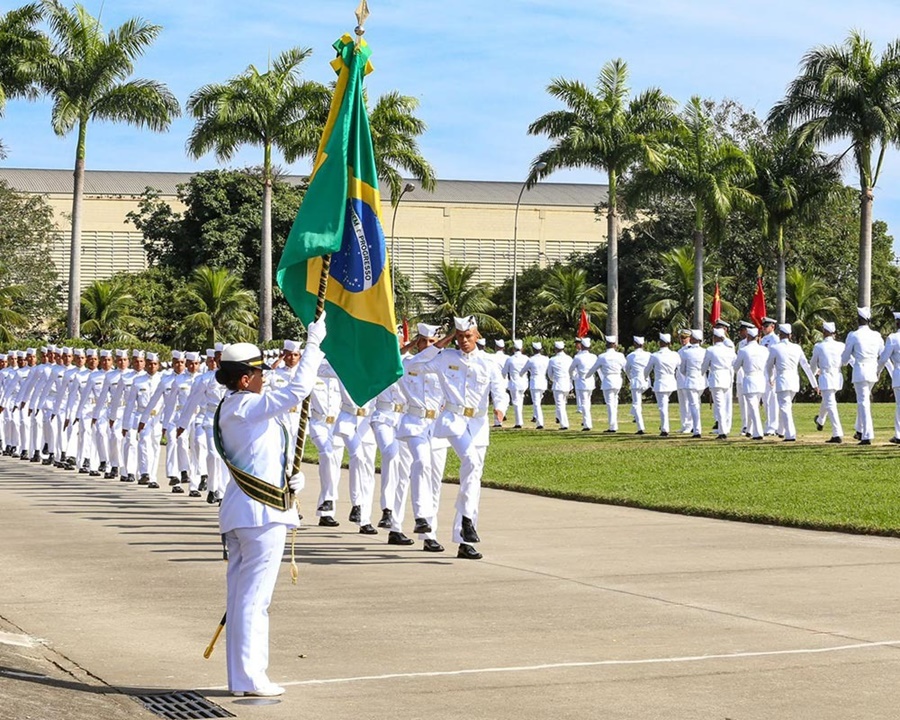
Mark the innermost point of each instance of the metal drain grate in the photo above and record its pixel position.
(187, 705)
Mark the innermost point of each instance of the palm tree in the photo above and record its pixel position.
(452, 293)
(86, 76)
(848, 91)
(272, 109)
(604, 131)
(792, 180)
(223, 310)
(809, 304)
(394, 131)
(23, 48)
(107, 306)
(670, 298)
(567, 293)
(704, 169)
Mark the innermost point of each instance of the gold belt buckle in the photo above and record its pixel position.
(430, 414)
(469, 412)
(360, 412)
(398, 408)
(153, 413)
(329, 420)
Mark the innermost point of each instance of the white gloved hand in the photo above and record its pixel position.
(315, 331)
(297, 482)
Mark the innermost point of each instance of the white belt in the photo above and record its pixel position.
(353, 410)
(389, 407)
(421, 412)
(465, 411)
(322, 417)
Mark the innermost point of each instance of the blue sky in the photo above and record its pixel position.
(479, 68)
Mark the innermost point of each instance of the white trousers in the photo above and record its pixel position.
(361, 449)
(148, 450)
(751, 411)
(864, 409)
(254, 558)
(829, 410)
(471, 468)
(559, 399)
(684, 411)
(770, 400)
(637, 410)
(583, 398)
(721, 398)
(692, 400)
(742, 408)
(331, 452)
(662, 404)
(786, 414)
(537, 397)
(428, 457)
(517, 400)
(389, 447)
(611, 398)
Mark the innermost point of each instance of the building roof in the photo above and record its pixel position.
(131, 183)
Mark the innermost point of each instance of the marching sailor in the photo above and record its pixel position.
(583, 380)
(635, 368)
(826, 363)
(750, 365)
(863, 347)
(609, 366)
(536, 369)
(517, 382)
(558, 371)
(784, 357)
(664, 365)
(717, 365)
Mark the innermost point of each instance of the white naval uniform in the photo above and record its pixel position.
(784, 357)
(663, 365)
(536, 369)
(104, 417)
(826, 361)
(468, 380)
(635, 368)
(692, 356)
(890, 358)
(584, 383)
(750, 363)
(558, 372)
(424, 400)
(739, 387)
(770, 399)
(254, 440)
(324, 407)
(517, 383)
(137, 404)
(96, 448)
(609, 366)
(718, 367)
(395, 458)
(128, 460)
(864, 346)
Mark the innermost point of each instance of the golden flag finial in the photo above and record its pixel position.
(362, 13)
(759, 271)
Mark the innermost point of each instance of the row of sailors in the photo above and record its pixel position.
(763, 369)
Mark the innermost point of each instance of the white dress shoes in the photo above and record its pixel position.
(267, 691)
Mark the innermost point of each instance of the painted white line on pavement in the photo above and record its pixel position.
(599, 663)
(17, 639)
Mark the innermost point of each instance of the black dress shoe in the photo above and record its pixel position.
(780, 435)
(639, 432)
(819, 425)
(865, 442)
(422, 526)
(153, 485)
(95, 473)
(367, 530)
(790, 440)
(210, 496)
(385, 521)
(609, 431)
(126, 478)
(36, 457)
(195, 493)
(48, 461)
(468, 531)
(203, 479)
(432, 546)
(757, 437)
(539, 427)
(328, 521)
(144, 479)
(664, 434)
(585, 429)
(398, 538)
(327, 506)
(355, 514)
(83, 470)
(696, 435)
(721, 436)
(517, 427)
(202, 487)
(178, 490)
(857, 435)
(467, 552)
(895, 440)
(102, 467)
(173, 481)
(184, 476)
(837, 439)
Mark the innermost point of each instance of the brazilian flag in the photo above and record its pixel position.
(341, 215)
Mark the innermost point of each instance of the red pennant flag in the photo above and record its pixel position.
(584, 326)
(405, 331)
(758, 306)
(715, 312)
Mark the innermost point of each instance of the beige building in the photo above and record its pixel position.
(466, 221)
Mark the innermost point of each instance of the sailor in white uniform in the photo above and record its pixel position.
(767, 339)
(583, 380)
(863, 348)
(558, 372)
(717, 365)
(609, 365)
(664, 365)
(517, 381)
(750, 365)
(635, 368)
(784, 357)
(536, 369)
(890, 359)
(694, 382)
(825, 363)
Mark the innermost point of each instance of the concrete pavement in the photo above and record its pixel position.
(577, 611)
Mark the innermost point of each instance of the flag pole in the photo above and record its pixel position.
(362, 13)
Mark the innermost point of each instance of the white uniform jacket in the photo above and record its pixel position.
(609, 366)
(826, 360)
(718, 365)
(635, 368)
(751, 362)
(581, 370)
(664, 365)
(691, 363)
(558, 372)
(784, 357)
(864, 346)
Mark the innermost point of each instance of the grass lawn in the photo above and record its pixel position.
(806, 483)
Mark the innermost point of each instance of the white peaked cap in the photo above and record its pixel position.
(137, 354)
(536, 345)
(500, 344)
(517, 344)
(719, 332)
(864, 312)
(30, 351)
(559, 345)
(219, 347)
(665, 337)
(244, 354)
(66, 351)
(121, 353)
(465, 323)
(684, 331)
(784, 328)
(78, 351)
(611, 339)
(90, 352)
(291, 346)
(638, 340)
(152, 357)
(897, 316)
(481, 342)
(192, 356)
(427, 331)
(585, 342)
(829, 327)
(696, 334)
(210, 353)
(752, 332)
(177, 355)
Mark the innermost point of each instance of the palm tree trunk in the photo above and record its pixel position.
(781, 292)
(612, 260)
(866, 200)
(73, 325)
(698, 278)
(265, 272)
